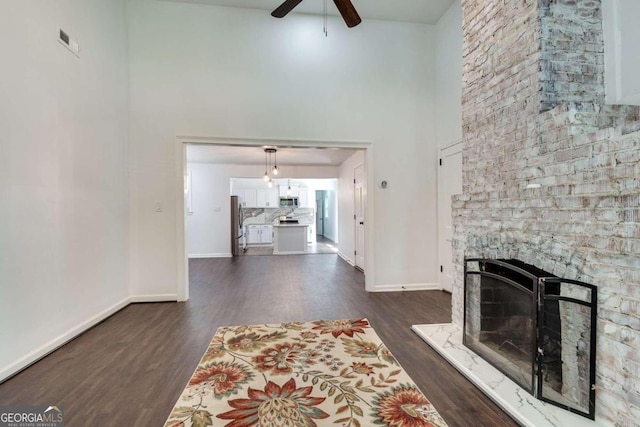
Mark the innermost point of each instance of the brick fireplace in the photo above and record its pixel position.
(551, 174)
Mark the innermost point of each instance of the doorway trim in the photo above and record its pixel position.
(363, 216)
(182, 288)
(445, 249)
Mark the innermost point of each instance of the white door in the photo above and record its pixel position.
(449, 183)
(359, 208)
(320, 213)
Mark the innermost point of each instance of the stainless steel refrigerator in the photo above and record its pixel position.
(236, 227)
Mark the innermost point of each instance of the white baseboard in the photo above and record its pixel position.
(407, 287)
(347, 259)
(222, 255)
(59, 341)
(154, 298)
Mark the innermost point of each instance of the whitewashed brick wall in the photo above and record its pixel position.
(533, 94)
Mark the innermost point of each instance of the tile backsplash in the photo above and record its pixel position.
(271, 216)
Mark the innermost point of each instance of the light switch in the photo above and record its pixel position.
(217, 209)
(158, 206)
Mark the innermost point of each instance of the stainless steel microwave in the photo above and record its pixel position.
(288, 202)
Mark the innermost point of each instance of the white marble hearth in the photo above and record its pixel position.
(446, 339)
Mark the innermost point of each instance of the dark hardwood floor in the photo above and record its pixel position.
(130, 369)
(322, 245)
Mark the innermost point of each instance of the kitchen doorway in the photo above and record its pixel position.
(256, 170)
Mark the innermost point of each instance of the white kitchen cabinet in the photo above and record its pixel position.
(306, 198)
(261, 198)
(284, 191)
(247, 197)
(267, 198)
(259, 234)
(258, 198)
(266, 234)
(290, 239)
(253, 234)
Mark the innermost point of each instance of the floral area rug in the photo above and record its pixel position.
(322, 373)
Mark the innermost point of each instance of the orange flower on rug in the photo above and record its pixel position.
(302, 374)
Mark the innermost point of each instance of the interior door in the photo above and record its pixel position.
(449, 184)
(320, 213)
(359, 209)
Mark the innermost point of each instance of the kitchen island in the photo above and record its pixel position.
(290, 239)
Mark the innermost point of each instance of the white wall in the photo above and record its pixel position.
(449, 75)
(214, 71)
(63, 187)
(622, 62)
(208, 229)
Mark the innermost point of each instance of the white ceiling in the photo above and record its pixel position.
(222, 154)
(421, 11)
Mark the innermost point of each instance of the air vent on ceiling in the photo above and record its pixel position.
(68, 42)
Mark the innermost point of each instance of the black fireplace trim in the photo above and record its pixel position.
(593, 305)
(539, 279)
(533, 345)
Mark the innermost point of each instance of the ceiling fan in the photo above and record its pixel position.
(348, 12)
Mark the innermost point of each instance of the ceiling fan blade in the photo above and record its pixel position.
(348, 12)
(286, 7)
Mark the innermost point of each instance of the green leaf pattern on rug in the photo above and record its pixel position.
(298, 374)
(201, 419)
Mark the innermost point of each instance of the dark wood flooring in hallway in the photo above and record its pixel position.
(130, 369)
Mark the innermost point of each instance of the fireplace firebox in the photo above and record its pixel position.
(536, 328)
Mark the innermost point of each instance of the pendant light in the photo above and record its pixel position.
(275, 162)
(267, 166)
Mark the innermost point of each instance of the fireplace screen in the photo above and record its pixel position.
(536, 328)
